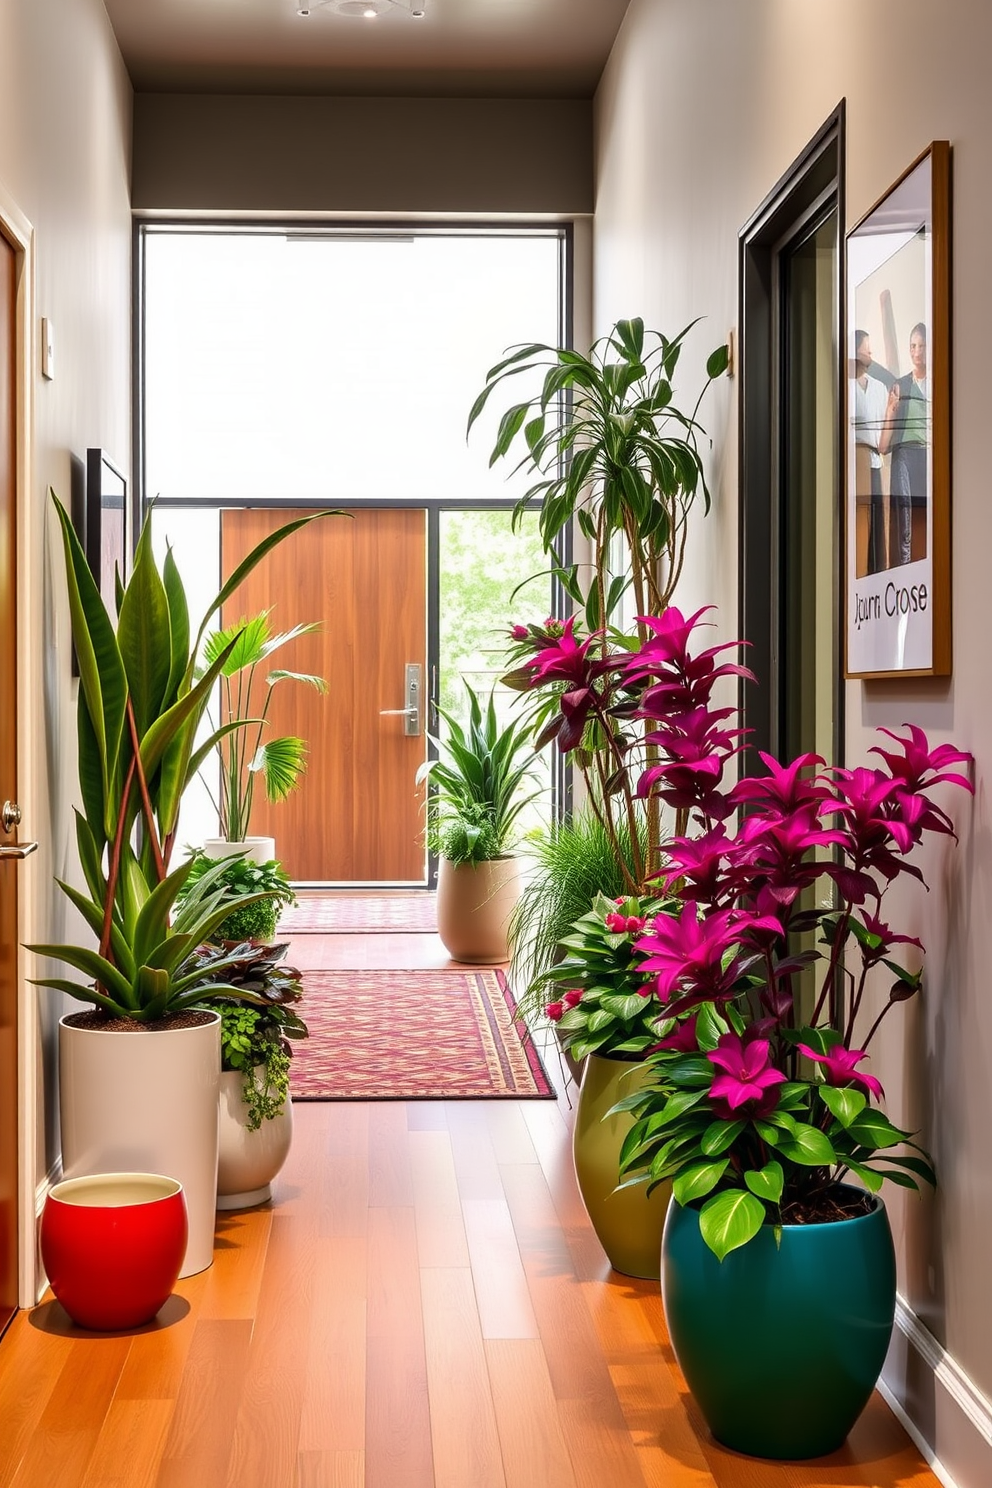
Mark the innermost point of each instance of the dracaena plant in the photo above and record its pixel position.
(139, 707)
(603, 1002)
(617, 457)
(246, 754)
(760, 1104)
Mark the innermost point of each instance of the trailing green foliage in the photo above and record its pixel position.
(140, 705)
(256, 1037)
(475, 798)
(245, 755)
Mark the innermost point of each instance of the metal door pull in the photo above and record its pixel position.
(19, 850)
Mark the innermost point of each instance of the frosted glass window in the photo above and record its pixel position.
(335, 368)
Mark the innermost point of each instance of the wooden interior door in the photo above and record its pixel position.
(8, 791)
(356, 818)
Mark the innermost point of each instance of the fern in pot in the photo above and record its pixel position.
(478, 792)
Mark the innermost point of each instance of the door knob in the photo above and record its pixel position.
(10, 817)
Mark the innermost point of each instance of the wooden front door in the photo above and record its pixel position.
(356, 818)
(8, 791)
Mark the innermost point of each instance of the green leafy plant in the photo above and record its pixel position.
(571, 863)
(606, 1005)
(476, 801)
(615, 454)
(140, 705)
(251, 918)
(255, 1036)
(245, 754)
(621, 461)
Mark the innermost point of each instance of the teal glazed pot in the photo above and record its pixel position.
(781, 1345)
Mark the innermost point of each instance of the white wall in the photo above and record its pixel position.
(65, 132)
(704, 105)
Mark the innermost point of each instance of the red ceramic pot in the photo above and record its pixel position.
(112, 1245)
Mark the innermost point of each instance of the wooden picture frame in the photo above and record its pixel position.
(897, 566)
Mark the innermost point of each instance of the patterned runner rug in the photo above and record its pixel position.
(413, 1035)
(372, 914)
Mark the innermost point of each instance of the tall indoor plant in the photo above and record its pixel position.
(138, 1073)
(474, 805)
(619, 460)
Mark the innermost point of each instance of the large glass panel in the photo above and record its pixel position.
(809, 497)
(312, 366)
(483, 562)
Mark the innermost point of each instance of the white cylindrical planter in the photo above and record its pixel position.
(253, 849)
(146, 1101)
(474, 905)
(249, 1160)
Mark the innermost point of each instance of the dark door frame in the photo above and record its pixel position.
(812, 186)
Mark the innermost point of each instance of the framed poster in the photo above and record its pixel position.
(897, 505)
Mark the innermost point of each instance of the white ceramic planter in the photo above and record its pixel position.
(146, 1102)
(474, 904)
(249, 1160)
(255, 849)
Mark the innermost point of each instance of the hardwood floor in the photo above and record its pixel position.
(423, 1306)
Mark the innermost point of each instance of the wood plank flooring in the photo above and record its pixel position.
(423, 1306)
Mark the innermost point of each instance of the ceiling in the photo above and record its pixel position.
(458, 48)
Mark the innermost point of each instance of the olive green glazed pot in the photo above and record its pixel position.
(781, 1344)
(628, 1223)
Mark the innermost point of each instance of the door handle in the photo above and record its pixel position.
(19, 850)
(412, 687)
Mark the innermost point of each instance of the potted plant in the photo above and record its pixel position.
(472, 809)
(245, 754)
(256, 1113)
(139, 1071)
(606, 1014)
(758, 1109)
(251, 918)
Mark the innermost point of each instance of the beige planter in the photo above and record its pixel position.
(254, 849)
(474, 904)
(249, 1160)
(146, 1102)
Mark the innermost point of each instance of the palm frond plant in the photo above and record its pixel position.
(476, 783)
(245, 754)
(140, 705)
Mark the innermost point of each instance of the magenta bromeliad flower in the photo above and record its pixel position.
(777, 850)
(702, 864)
(688, 953)
(685, 681)
(749, 1078)
(839, 1068)
(564, 659)
(784, 787)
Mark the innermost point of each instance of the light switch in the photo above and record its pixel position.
(47, 348)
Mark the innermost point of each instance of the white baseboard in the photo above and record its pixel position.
(941, 1407)
(42, 1190)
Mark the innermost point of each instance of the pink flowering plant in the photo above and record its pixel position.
(604, 1003)
(761, 1104)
